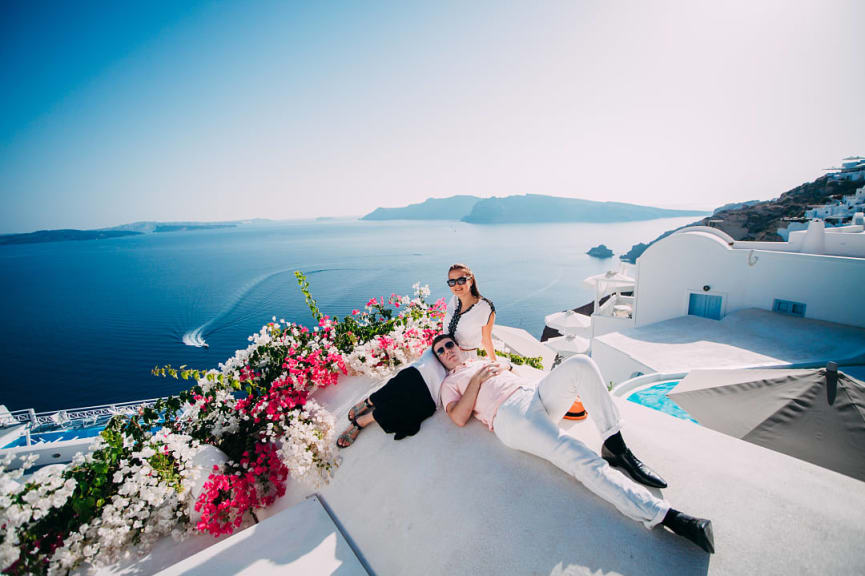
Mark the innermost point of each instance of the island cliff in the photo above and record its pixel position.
(452, 208)
(538, 208)
(524, 209)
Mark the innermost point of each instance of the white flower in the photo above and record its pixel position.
(308, 447)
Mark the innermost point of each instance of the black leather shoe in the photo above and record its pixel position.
(697, 530)
(634, 467)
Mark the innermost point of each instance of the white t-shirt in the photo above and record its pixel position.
(433, 373)
(468, 328)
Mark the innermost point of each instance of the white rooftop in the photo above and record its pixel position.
(742, 339)
(301, 541)
(455, 501)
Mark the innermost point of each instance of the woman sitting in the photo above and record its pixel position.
(470, 317)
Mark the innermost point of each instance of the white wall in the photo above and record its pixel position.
(615, 365)
(50, 452)
(605, 324)
(832, 287)
(838, 241)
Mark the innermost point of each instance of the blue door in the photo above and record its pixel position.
(705, 305)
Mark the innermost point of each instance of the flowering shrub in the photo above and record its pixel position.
(136, 483)
(127, 491)
(308, 448)
(227, 497)
(378, 340)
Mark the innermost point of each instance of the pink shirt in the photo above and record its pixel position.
(492, 393)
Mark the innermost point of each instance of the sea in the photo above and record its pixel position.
(84, 323)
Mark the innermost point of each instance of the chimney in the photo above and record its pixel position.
(815, 238)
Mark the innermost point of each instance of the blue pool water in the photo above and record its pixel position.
(655, 397)
(59, 435)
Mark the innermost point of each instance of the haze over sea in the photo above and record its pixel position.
(85, 322)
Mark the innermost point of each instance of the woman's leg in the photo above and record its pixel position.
(350, 434)
(361, 407)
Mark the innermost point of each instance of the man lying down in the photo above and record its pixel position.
(524, 415)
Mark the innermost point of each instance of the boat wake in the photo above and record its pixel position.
(195, 338)
(244, 307)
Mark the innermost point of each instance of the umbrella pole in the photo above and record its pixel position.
(831, 382)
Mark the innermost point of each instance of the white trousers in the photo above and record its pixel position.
(528, 421)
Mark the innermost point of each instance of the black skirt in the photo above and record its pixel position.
(403, 403)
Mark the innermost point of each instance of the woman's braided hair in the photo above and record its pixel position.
(452, 327)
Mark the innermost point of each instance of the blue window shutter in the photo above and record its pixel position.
(696, 305)
(788, 307)
(705, 306)
(713, 307)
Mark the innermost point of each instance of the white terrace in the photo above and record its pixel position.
(455, 501)
(744, 339)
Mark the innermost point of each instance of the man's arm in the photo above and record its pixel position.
(461, 410)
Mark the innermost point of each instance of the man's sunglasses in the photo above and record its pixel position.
(446, 346)
(461, 280)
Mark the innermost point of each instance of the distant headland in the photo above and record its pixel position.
(528, 208)
(133, 229)
(67, 235)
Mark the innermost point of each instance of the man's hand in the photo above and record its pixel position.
(505, 364)
(461, 410)
(486, 373)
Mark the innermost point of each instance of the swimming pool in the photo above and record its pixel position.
(655, 397)
(57, 436)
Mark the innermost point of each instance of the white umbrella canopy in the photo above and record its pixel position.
(609, 281)
(569, 345)
(567, 322)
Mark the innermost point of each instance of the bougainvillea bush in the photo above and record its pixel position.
(146, 476)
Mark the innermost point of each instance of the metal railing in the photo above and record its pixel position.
(72, 415)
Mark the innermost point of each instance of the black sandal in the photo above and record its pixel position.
(349, 435)
(353, 412)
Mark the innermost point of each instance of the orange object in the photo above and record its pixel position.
(577, 411)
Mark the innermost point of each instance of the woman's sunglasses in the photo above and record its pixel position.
(446, 346)
(461, 280)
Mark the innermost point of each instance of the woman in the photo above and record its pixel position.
(470, 317)
(412, 395)
(399, 406)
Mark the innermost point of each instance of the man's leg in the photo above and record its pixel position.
(579, 375)
(522, 423)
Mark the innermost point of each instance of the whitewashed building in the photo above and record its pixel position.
(702, 298)
(852, 168)
(843, 209)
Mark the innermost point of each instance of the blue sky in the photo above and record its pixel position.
(115, 112)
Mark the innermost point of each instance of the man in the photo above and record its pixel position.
(525, 416)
